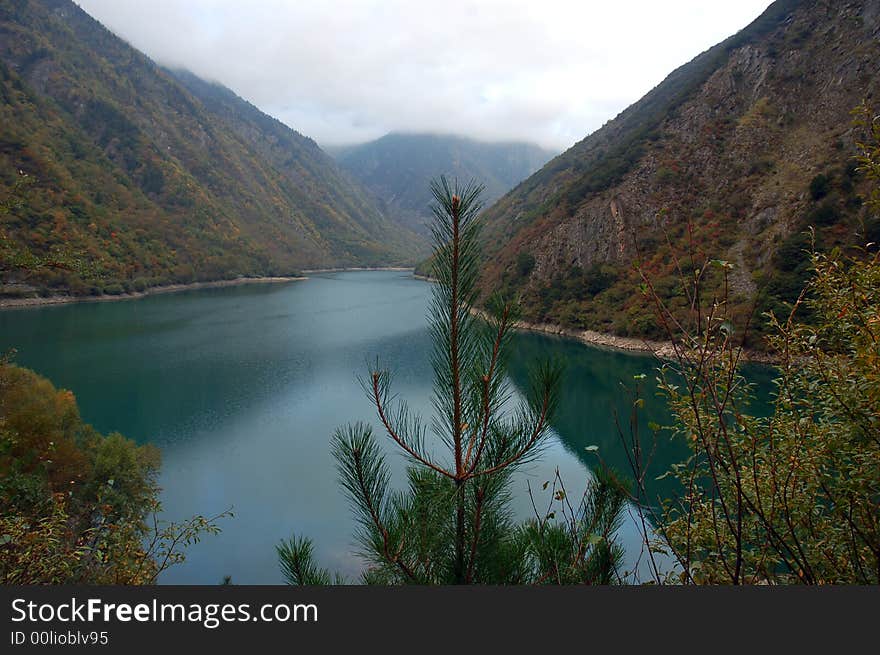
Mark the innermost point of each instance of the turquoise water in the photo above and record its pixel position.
(241, 388)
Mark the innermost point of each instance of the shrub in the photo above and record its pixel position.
(74, 503)
(819, 186)
(824, 214)
(525, 264)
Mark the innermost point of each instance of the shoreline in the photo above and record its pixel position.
(401, 269)
(19, 303)
(659, 349)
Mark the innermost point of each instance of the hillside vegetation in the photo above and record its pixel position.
(145, 178)
(733, 156)
(76, 506)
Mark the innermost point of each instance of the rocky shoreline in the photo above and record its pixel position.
(10, 303)
(660, 349)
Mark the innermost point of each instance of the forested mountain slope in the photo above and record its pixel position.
(398, 169)
(145, 177)
(733, 156)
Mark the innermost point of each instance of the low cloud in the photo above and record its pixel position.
(348, 71)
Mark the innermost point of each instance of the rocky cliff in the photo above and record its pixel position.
(732, 157)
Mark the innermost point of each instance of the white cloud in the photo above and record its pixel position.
(548, 71)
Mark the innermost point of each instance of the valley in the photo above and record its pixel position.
(388, 322)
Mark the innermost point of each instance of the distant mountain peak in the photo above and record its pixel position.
(399, 166)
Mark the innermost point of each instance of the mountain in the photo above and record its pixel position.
(398, 169)
(146, 176)
(732, 157)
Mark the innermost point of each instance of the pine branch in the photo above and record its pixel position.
(296, 557)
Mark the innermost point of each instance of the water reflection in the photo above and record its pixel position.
(595, 409)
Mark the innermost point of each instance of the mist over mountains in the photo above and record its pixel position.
(398, 169)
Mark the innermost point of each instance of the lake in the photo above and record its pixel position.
(242, 387)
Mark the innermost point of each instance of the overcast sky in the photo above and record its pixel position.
(346, 71)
